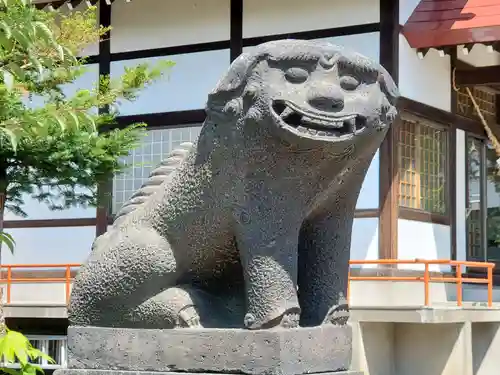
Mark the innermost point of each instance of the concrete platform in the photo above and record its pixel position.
(115, 372)
(436, 314)
(281, 351)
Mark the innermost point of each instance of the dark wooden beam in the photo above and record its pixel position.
(236, 29)
(388, 170)
(316, 34)
(452, 165)
(486, 75)
(50, 223)
(104, 189)
(161, 119)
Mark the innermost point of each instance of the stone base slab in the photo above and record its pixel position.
(281, 351)
(118, 372)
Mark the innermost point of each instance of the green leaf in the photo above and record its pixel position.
(60, 51)
(31, 369)
(91, 120)
(8, 79)
(34, 354)
(6, 30)
(14, 345)
(11, 371)
(16, 69)
(12, 137)
(7, 239)
(76, 122)
(5, 42)
(36, 63)
(61, 122)
(44, 32)
(22, 38)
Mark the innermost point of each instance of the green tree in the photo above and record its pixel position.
(55, 151)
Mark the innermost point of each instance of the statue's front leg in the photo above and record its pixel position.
(324, 264)
(268, 252)
(324, 253)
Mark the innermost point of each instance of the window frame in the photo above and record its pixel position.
(417, 214)
(483, 191)
(112, 204)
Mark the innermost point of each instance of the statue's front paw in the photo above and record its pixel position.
(189, 317)
(290, 320)
(337, 315)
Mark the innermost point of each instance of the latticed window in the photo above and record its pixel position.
(155, 147)
(485, 99)
(422, 151)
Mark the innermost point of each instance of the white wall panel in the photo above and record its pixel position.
(426, 80)
(364, 240)
(147, 24)
(49, 245)
(186, 86)
(423, 241)
(264, 17)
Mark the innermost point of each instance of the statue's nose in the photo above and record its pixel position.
(326, 98)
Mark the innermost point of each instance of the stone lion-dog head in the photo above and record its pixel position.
(306, 91)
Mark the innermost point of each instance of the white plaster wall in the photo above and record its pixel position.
(364, 240)
(264, 17)
(41, 293)
(368, 196)
(49, 245)
(424, 80)
(423, 241)
(479, 56)
(367, 44)
(461, 184)
(185, 87)
(148, 24)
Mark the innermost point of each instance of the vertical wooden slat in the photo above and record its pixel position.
(389, 180)
(104, 191)
(236, 29)
(452, 165)
(418, 147)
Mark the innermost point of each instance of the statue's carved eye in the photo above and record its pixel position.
(296, 75)
(349, 83)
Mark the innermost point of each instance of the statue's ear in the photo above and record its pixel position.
(232, 84)
(388, 86)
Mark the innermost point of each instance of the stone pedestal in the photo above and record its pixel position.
(106, 351)
(117, 372)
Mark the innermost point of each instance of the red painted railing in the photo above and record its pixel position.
(427, 278)
(8, 279)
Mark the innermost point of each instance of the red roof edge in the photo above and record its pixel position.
(437, 23)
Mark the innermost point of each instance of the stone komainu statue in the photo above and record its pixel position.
(251, 226)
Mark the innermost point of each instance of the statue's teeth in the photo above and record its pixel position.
(287, 112)
(351, 124)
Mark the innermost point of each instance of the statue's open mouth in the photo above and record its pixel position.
(316, 124)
